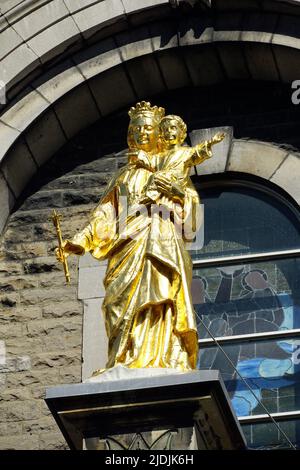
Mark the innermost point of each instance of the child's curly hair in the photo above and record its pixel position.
(181, 124)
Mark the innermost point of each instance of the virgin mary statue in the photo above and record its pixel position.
(148, 310)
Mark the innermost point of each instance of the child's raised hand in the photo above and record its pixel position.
(218, 138)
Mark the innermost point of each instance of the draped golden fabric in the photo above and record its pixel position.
(149, 316)
(142, 225)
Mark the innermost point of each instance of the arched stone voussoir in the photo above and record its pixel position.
(19, 117)
(287, 176)
(103, 58)
(7, 202)
(39, 31)
(256, 158)
(111, 91)
(37, 35)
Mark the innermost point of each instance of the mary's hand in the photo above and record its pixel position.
(169, 187)
(60, 254)
(163, 183)
(67, 249)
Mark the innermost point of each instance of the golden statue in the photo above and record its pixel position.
(141, 225)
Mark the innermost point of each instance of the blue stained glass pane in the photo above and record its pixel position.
(270, 368)
(264, 436)
(247, 299)
(245, 220)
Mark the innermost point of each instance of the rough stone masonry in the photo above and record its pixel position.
(40, 317)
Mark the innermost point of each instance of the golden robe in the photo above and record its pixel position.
(149, 315)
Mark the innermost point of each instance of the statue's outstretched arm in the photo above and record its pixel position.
(203, 151)
(96, 235)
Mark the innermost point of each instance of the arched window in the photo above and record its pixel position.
(246, 291)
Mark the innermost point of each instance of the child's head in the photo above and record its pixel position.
(172, 130)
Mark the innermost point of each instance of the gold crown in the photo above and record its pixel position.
(144, 107)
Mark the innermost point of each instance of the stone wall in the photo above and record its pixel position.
(40, 317)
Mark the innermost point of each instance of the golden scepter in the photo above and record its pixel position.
(56, 222)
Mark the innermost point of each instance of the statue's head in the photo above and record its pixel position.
(143, 131)
(172, 130)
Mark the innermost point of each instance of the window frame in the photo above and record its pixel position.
(244, 181)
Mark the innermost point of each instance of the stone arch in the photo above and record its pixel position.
(270, 162)
(50, 77)
(96, 66)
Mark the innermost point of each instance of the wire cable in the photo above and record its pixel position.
(247, 385)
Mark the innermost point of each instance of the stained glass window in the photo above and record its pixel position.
(265, 436)
(248, 298)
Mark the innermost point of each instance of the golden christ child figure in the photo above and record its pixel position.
(148, 309)
(174, 159)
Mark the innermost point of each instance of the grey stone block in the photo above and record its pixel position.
(17, 65)
(258, 27)
(164, 35)
(133, 44)
(144, 13)
(88, 261)
(3, 23)
(8, 136)
(98, 58)
(59, 81)
(22, 8)
(95, 343)
(233, 61)
(112, 90)
(27, 409)
(195, 31)
(15, 364)
(287, 176)
(45, 137)
(98, 16)
(22, 442)
(52, 441)
(77, 110)
(256, 158)
(226, 36)
(169, 401)
(146, 67)
(55, 39)
(288, 60)
(10, 40)
(7, 5)
(18, 168)
(173, 69)
(41, 18)
(91, 282)
(76, 5)
(25, 110)
(7, 202)
(260, 61)
(285, 40)
(204, 66)
(216, 164)
(131, 6)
